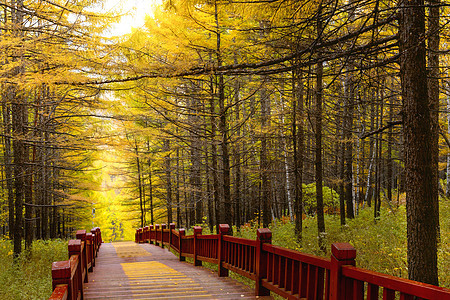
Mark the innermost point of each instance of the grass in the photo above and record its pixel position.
(30, 276)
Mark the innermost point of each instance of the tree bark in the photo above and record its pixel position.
(264, 162)
(318, 139)
(298, 142)
(433, 94)
(138, 166)
(417, 126)
(168, 177)
(226, 211)
(7, 152)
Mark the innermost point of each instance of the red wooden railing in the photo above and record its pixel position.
(68, 276)
(291, 274)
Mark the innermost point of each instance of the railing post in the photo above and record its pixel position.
(264, 236)
(163, 226)
(81, 235)
(139, 232)
(99, 233)
(61, 274)
(156, 234)
(224, 229)
(95, 238)
(90, 251)
(182, 234)
(150, 234)
(74, 248)
(341, 254)
(146, 235)
(197, 231)
(171, 227)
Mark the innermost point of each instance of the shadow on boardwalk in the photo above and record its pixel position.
(128, 270)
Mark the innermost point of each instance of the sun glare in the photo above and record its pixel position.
(135, 10)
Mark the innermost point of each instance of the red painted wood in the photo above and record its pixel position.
(99, 233)
(303, 279)
(343, 251)
(61, 269)
(60, 292)
(171, 230)
(161, 235)
(295, 277)
(342, 254)
(288, 275)
(182, 234)
(311, 292)
(307, 258)
(157, 234)
(264, 236)
(293, 274)
(81, 235)
(372, 292)
(411, 287)
(404, 296)
(224, 229)
(90, 251)
(358, 290)
(320, 283)
(68, 276)
(76, 247)
(388, 294)
(239, 240)
(327, 285)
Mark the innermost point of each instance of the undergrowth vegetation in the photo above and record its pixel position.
(30, 276)
(380, 244)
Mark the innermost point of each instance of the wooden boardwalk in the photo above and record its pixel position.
(127, 270)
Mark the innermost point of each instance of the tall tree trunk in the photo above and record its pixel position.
(421, 191)
(28, 185)
(177, 191)
(318, 138)
(447, 192)
(214, 164)
(237, 160)
(168, 177)
(298, 145)
(138, 165)
(19, 170)
(389, 162)
(264, 163)
(433, 93)
(348, 157)
(19, 132)
(7, 151)
(226, 211)
(150, 193)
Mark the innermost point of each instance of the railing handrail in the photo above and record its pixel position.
(68, 276)
(418, 289)
(287, 272)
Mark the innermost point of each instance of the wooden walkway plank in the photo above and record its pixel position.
(127, 270)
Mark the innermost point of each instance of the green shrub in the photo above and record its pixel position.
(30, 276)
(330, 199)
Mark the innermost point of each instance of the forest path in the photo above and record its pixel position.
(126, 270)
